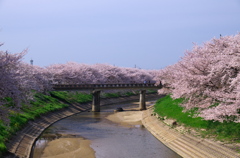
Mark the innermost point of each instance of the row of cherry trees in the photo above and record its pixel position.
(75, 73)
(208, 77)
(19, 81)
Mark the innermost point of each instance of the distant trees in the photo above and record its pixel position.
(208, 77)
(75, 73)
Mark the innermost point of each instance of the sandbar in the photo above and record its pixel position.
(127, 118)
(69, 147)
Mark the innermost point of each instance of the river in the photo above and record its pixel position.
(91, 135)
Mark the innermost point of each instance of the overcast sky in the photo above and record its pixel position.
(150, 34)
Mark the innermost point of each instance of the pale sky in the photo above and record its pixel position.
(150, 34)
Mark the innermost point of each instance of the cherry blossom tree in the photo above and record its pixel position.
(18, 82)
(208, 75)
(8, 80)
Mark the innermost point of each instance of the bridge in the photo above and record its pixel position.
(97, 88)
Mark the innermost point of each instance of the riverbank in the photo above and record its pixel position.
(184, 144)
(20, 145)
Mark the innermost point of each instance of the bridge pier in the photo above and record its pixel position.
(142, 101)
(96, 88)
(96, 101)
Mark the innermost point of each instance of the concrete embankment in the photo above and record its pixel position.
(21, 144)
(185, 145)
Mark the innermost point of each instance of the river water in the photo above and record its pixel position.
(106, 138)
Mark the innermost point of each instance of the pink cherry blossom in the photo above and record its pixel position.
(206, 75)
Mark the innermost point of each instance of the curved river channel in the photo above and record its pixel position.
(92, 135)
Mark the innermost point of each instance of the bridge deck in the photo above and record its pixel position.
(59, 87)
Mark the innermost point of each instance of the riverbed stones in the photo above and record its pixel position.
(170, 122)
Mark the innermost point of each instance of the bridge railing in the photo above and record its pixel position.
(105, 86)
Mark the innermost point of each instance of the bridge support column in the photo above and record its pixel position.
(142, 102)
(96, 101)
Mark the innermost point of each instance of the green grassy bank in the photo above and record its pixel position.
(43, 104)
(40, 105)
(167, 107)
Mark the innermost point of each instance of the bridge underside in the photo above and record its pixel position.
(96, 101)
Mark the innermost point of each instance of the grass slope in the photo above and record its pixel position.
(170, 108)
(41, 104)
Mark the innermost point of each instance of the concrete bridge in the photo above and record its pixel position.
(97, 88)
